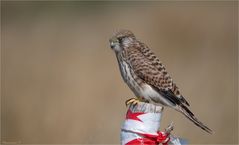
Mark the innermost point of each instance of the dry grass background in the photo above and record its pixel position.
(61, 83)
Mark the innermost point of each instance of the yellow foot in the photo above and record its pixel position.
(132, 101)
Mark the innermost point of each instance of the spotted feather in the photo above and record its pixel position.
(148, 67)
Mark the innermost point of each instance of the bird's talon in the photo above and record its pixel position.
(132, 101)
(135, 102)
(127, 102)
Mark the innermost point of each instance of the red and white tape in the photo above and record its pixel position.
(141, 126)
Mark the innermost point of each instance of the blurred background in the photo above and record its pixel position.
(60, 81)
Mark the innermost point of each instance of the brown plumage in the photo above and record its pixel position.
(146, 76)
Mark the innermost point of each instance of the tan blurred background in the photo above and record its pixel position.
(61, 83)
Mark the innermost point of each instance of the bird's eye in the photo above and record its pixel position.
(120, 39)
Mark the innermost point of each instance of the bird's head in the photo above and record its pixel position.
(121, 40)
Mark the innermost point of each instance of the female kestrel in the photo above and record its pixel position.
(147, 77)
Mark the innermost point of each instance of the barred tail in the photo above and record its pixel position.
(186, 112)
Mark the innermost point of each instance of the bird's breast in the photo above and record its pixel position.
(129, 77)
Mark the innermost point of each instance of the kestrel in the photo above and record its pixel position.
(147, 77)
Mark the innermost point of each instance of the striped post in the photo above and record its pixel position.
(141, 127)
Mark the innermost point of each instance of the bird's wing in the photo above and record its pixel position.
(148, 67)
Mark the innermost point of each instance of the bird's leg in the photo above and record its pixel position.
(133, 101)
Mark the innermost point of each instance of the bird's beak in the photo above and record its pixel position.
(113, 42)
(112, 45)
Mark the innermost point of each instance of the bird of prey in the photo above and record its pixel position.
(147, 77)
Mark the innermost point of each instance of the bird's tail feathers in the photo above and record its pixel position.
(183, 109)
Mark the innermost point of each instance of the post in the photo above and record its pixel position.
(141, 127)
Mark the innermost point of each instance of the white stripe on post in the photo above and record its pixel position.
(143, 122)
